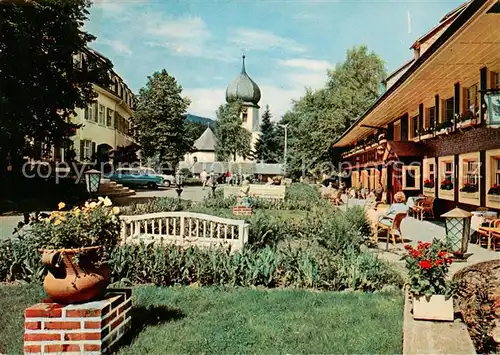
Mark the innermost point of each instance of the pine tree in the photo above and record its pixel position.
(159, 122)
(268, 148)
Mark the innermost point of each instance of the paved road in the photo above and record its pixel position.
(193, 193)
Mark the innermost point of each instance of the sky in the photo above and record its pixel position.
(289, 44)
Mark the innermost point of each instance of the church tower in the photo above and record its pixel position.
(245, 89)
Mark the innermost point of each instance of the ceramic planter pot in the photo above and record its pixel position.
(73, 276)
(435, 307)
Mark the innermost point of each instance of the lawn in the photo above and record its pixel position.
(239, 320)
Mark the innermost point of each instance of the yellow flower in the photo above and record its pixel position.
(100, 198)
(76, 212)
(61, 205)
(116, 210)
(92, 205)
(107, 202)
(57, 222)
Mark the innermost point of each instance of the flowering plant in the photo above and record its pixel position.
(469, 187)
(428, 183)
(494, 190)
(94, 224)
(446, 184)
(428, 266)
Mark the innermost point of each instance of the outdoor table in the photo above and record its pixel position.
(480, 217)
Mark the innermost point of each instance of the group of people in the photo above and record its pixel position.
(211, 179)
(368, 194)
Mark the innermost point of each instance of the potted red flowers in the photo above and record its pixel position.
(428, 266)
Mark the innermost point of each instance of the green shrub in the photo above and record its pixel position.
(20, 261)
(302, 192)
(268, 267)
(157, 204)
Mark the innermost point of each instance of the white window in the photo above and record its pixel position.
(471, 176)
(109, 118)
(411, 177)
(87, 150)
(101, 114)
(496, 167)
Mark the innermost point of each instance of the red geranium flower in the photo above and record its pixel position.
(425, 264)
(422, 246)
(415, 253)
(408, 247)
(442, 253)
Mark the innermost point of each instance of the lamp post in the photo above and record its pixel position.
(457, 231)
(178, 183)
(285, 127)
(92, 181)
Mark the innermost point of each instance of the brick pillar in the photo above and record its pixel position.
(89, 328)
(242, 211)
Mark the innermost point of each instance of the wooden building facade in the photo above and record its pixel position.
(435, 130)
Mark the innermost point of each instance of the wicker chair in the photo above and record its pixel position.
(424, 207)
(393, 230)
(490, 233)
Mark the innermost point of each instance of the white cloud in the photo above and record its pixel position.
(205, 101)
(118, 47)
(256, 39)
(309, 64)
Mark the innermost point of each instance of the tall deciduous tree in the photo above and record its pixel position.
(268, 147)
(318, 118)
(232, 139)
(40, 83)
(159, 122)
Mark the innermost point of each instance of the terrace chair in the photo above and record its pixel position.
(393, 230)
(490, 233)
(424, 207)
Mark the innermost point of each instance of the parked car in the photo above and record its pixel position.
(167, 178)
(136, 177)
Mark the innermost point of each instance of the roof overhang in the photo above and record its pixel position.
(457, 53)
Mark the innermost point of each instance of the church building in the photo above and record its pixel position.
(245, 89)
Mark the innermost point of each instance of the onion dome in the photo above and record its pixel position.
(243, 88)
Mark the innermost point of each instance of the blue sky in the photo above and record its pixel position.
(289, 44)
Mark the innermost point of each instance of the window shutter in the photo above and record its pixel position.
(87, 113)
(93, 150)
(82, 149)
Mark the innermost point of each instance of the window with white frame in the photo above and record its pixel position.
(109, 118)
(447, 175)
(411, 177)
(101, 114)
(87, 149)
(470, 176)
(472, 99)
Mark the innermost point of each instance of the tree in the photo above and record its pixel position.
(125, 154)
(195, 129)
(232, 139)
(40, 83)
(318, 118)
(159, 122)
(268, 147)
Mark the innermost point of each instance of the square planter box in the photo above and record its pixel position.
(435, 307)
(426, 136)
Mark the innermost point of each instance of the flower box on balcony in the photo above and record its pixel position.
(426, 136)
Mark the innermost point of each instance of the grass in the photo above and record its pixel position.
(211, 320)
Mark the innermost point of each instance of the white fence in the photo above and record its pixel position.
(262, 191)
(185, 228)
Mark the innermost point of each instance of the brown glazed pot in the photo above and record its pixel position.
(73, 276)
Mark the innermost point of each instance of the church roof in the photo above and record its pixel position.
(243, 88)
(206, 142)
